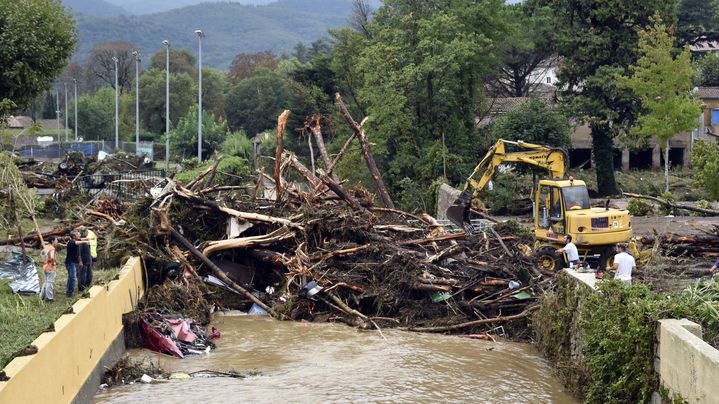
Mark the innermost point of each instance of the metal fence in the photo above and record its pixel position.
(57, 150)
(124, 186)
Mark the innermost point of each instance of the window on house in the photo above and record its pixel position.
(549, 80)
(715, 116)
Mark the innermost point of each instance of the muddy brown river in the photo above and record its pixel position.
(305, 362)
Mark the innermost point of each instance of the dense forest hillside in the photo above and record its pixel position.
(96, 7)
(230, 28)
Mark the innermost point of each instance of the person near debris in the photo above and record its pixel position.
(624, 265)
(92, 238)
(571, 250)
(714, 268)
(84, 278)
(72, 261)
(49, 266)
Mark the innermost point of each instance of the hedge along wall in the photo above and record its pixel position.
(558, 333)
(66, 357)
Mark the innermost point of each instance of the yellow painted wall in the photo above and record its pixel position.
(67, 356)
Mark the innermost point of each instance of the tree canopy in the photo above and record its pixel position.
(663, 84)
(597, 40)
(29, 63)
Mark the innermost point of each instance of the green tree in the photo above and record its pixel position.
(183, 138)
(37, 38)
(95, 115)
(533, 122)
(527, 48)
(697, 20)
(183, 94)
(422, 70)
(663, 83)
(598, 40)
(181, 61)
(237, 144)
(255, 103)
(707, 70)
(705, 159)
(244, 65)
(214, 88)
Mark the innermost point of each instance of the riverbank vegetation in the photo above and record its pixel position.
(603, 343)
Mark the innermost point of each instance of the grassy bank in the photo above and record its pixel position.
(23, 318)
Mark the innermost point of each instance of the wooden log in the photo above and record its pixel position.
(192, 184)
(316, 129)
(102, 215)
(501, 242)
(34, 237)
(366, 151)
(673, 205)
(219, 272)
(427, 287)
(315, 182)
(281, 122)
(339, 191)
(455, 236)
(474, 323)
(248, 242)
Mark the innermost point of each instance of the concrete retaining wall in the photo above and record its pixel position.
(688, 366)
(69, 360)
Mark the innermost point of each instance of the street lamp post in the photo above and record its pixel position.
(167, 103)
(117, 111)
(74, 81)
(136, 54)
(67, 139)
(199, 96)
(57, 113)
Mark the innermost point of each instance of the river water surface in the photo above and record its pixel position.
(306, 362)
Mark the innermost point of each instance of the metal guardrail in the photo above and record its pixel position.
(124, 186)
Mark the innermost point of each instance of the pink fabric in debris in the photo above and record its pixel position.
(181, 330)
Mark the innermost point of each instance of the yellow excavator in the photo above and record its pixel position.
(560, 206)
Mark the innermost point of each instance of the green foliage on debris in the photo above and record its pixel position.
(232, 170)
(638, 207)
(603, 343)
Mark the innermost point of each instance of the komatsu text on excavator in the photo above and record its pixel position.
(560, 205)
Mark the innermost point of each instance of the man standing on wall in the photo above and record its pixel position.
(49, 266)
(85, 274)
(72, 260)
(571, 250)
(624, 265)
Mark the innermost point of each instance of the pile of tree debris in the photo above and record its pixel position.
(701, 245)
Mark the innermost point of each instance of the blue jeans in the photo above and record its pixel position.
(71, 276)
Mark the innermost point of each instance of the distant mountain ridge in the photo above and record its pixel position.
(229, 28)
(157, 6)
(100, 8)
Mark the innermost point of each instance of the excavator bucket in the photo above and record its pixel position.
(458, 213)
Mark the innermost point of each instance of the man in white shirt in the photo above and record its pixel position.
(624, 264)
(571, 250)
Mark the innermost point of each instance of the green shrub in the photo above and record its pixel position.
(237, 144)
(705, 159)
(638, 207)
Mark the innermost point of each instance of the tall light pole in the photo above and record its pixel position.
(67, 139)
(167, 103)
(74, 81)
(136, 54)
(117, 110)
(57, 113)
(199, 97)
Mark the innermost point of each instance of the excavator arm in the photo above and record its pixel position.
(553, 160)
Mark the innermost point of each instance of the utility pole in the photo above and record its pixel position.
(67, 138)
(199, 98)
(167, 104)
(75, 83)
(137, 101)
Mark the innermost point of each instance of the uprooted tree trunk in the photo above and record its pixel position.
(366, 151)
(281, 122)
(672, 205)
(316, 129)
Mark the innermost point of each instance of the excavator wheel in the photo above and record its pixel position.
(606, 258)
(548, 259)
